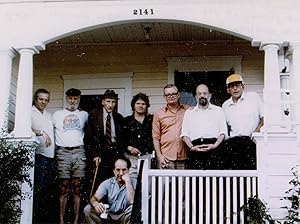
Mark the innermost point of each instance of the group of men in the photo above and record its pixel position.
(182, 137)
(208, 136)
(101, 139)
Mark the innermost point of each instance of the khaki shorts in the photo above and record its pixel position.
(71, 163)
(134, 169)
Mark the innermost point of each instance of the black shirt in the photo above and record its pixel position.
(139, 135)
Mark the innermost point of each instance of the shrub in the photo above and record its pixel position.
(256, 211)
(15, 162)
(293, 196)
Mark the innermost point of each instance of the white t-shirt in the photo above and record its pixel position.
(43, 122)
(243, 116)
(208, 123)
(69, 127)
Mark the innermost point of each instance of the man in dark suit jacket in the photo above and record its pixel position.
(99, 149)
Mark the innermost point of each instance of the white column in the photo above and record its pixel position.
(295, 47)
(27, 202)
(24, 95)
(272, 96)
(291, 86)
(285, 96)
(6, 57)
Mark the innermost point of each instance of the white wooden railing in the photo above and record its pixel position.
(196, 196)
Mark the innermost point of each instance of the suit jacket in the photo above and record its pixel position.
(94, 136)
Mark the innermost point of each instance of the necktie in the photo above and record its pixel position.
(108, 140)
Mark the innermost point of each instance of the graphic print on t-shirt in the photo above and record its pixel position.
(71, 122)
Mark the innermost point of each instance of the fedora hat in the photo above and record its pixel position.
(109, 93)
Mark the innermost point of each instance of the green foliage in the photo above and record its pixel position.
(256, 211)
(293, 196)
(15, 162)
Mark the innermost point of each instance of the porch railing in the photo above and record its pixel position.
(196, 196)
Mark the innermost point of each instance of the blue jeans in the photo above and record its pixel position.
(43, 173)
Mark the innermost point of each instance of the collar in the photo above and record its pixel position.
(166, 107)
(196, 108)
(71, 111)
(37, 110)
(243, 97)
(114, 181)
(105, 113)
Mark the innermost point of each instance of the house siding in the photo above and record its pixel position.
(147, 62)
(13, 92)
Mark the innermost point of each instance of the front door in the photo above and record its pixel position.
(91, 99)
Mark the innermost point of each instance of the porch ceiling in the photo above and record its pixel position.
(147, 32)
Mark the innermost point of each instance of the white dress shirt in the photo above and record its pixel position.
(243, 116)
(208, 123)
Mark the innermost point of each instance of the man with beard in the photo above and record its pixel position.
(69, 133)
(203, 130)
(244, 115)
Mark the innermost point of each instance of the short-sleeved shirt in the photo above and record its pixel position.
(208, 123)
(116, 195)
(69, 127)
(139, 135)
(243, 116)
(166, 128)
(43, 122)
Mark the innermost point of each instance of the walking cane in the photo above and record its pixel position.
(95, 176)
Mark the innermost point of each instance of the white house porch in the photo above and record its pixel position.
(27, 32)
(196, 196)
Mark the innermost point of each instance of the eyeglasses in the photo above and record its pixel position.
(235, 84)
(171, 94)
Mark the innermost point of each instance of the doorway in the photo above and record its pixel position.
(92, 86)
(187, 83)
(91, 99)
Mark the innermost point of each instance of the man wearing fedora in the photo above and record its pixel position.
(69, 126)
(103, 137)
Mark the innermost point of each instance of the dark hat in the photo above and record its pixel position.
(109, 93)
(73, 92)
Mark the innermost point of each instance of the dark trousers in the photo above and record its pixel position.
(240, 153)
(209, 160)
(43, 177)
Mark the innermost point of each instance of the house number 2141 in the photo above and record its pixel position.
(143, 12)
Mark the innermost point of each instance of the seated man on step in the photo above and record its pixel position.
(114, 196)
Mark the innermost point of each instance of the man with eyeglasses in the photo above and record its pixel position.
(244, 115)
(171, 152)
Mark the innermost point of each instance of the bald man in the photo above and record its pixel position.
(203, 130)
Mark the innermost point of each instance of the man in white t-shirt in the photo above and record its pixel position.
(244, 115)
(42, 126)
(203, 130)
(69, 126)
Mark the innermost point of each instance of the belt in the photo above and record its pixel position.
(200, 141)
(205, 139)
(70, 148)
